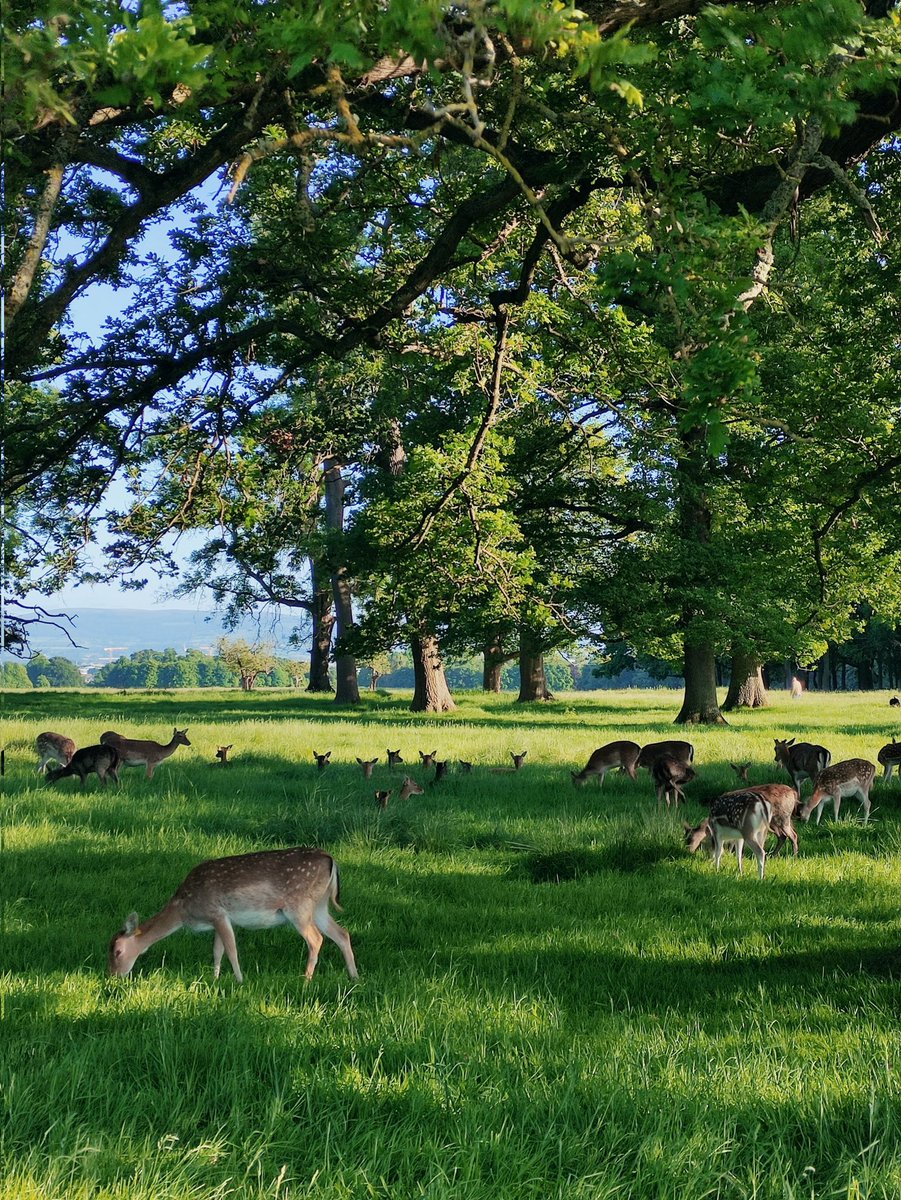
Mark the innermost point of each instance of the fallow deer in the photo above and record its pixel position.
(623, 755)
(394, 758)
(426, 761)
(53, 748)
(222, 755)
(851, 778)
(409, 788)
(741, 770)
(382, 797)
(784, 802)
(518, 760)
(104, 760)
(322, 760)
(737, 817)
(441, 769)
(669, 776)
(802, 760)
(683, 752)
(367, 766)
(894, 702)
(136, 753)
(888, 758)
(252, 891)
(465, 767)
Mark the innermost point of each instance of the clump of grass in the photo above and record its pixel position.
(561, 866)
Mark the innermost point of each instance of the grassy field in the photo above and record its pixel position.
(555, 999)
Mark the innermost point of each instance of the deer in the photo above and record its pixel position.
(53, 748)
(802, 760)
(889, 757)
(465, 767)
(382, 797)
(222, 755)
(427, 760)
(366, 766)
(518, 760)
(104, 760)
(784, 802)
(441, 769)
(133, 753)
(741, 770)
(894, 702)
(669, 775)
(394, 759)
(251, 891)
(853, 777)
(623, 755)
(322, 760)
(683, 752)
(797, 688)
(409, 788)
(737, 817)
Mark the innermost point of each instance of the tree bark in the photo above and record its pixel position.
(494, 659)
(323, 614)
(746, 686)
(532, 682)
(347, 690)
(431, 692)
(700, 705)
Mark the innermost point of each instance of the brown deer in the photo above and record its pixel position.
(441, 769)
(427, 760)
(322, 760)
(741, 770)
(382, 797)
(104, 760)
(894, 702)
(252, 891)
(53, 748)
(222, 755)
(623, 755)
(737, 817)
(134, 753)
(669, 776)
(465, 767)
(518, 760)
(394, 758)
(683, 752)
(853, 777)
(367, 766)
(409, 788)
(784, 802)
(802, 760)
(888, 758)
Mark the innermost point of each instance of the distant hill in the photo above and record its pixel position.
(105, 634)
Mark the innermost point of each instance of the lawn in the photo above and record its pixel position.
(555, 999)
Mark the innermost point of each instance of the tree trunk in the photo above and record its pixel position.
(746, 686)
(494, 659)
(323, 615)
(700, 705)
(865, 676)
(347, 690)
(431, 693)
(532, 681)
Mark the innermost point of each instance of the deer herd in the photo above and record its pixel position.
(298, 886)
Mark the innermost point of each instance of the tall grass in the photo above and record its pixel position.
(555, 999)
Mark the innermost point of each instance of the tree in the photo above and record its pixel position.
(248, 662)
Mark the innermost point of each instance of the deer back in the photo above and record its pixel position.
(683, 751)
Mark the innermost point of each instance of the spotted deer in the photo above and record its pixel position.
(53, 748)
(669, 776)
(615, 755)
(367, 766)
(136, 753)
(888, 758)
(784, 802)
(802, 760)
(251, 891)
(844, 780)
(102, 760)
(739, 817)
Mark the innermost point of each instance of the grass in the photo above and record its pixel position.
(555, 1000)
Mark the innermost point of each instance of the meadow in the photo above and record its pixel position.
(555, 999)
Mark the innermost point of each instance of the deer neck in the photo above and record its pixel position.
(160, 925)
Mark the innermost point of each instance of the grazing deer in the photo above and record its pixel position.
(427, 760)
(741, 770)
(133, 753)
(894, 702)
(252, 891)
(53, 748)
(394, 758)
(409, 788)
(465, 767)
(853, 777)
(683, 752)
(669, 775)
(803, 760)
(367, 766)
(889, 757)
(784, 802)
(737, 817)
(441, 769)
(104, 760)
(222, 755)
(382, 798)
(623, 755)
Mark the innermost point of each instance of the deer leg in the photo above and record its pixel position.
(836, 802)
(226, 934)
(341, 938)
(865, 804)
(218, 951)
(601, 774)
(739, 853)
(760, 854)
(150, 770)
(781, 839)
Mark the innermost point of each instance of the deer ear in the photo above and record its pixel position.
(360, 761)
(131, 923)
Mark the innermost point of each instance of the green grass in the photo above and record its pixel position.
(555, 999)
